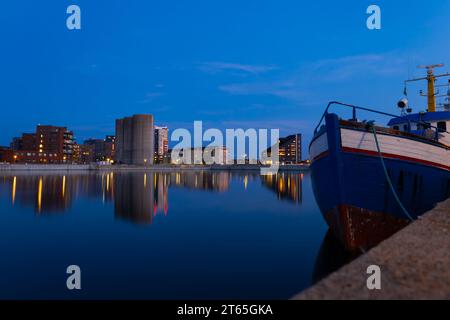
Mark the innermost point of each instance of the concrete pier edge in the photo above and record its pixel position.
(162, 167)
(415, 264)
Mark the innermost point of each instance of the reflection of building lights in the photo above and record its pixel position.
(245, 182)
(112, 185)
(64, 186)
(39, 199)
(14, 190)
(103, 188)
(145, 180)
(281, 184)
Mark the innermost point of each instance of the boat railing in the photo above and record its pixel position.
(355, 108)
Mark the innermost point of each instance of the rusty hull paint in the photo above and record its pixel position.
(361, 229)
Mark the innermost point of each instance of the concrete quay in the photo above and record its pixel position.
(45, 167)
(415, 264)
(158, 168)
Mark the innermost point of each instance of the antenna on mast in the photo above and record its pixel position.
(431, 79)
(432, 67)
(446, 104)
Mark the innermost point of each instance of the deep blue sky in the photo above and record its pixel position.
(229, 63)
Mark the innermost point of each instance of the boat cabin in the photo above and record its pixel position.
(423, 123)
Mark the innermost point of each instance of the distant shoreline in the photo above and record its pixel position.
(157, 168)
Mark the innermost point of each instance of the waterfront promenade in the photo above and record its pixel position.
(162, 167)
(415, 264)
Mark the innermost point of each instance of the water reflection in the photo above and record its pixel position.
(47, 194)
(287, 185)
(331, 257)
(137, 197)
(228, 230)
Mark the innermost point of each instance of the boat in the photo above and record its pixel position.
(372, 180)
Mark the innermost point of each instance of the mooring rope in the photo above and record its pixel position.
(388, 178)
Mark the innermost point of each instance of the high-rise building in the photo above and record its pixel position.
(49, 144)
(54, 144)
(135, 140)
(83, 154)
(161, 143)
(102, 149)
(97, 148)
(109, 148)
(289, 150)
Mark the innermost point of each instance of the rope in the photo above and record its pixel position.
(388, 178)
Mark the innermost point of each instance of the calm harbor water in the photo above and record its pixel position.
(180, 235)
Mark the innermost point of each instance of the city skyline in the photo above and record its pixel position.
(138, 141)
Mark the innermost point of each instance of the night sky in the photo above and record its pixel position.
(261, 64)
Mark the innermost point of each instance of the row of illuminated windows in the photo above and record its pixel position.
(29, 154)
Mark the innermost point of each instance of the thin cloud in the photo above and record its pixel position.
(304, 83)
(151, 96)
(282, 89)
(217, 67)
(346, 68)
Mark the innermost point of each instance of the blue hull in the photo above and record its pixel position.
(354, 196)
